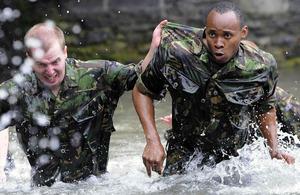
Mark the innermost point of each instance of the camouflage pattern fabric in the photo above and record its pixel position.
(288, 112)
(67, 136)
(211, 105)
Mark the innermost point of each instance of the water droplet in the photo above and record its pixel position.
(26, 67)
(43, 143)
(16, 60)
(17, 45)
(76, 139)
(43, 159)
(76, 29)
(54, 143)
(5, 120)
(3, 94)
(18, 78)
(33, 43)
(41, 119)
(38, 53)
(50, 23)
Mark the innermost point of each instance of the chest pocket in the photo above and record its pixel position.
(179, 81)
(91, 109)
(245, 96)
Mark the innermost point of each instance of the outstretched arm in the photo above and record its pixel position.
(154, 153)
(3, 153)
(267, 123)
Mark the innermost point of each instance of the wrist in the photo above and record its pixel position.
(152, 139)
(274, 152)
(153, 47)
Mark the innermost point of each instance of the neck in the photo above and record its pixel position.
(55, 90)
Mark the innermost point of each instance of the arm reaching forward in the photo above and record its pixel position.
(154, 154)
(267, 123)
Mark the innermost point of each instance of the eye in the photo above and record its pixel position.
(227, 35)
(56, 62)
(212, 34)
(40, 64)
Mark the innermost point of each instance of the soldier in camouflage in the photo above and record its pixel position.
(216, 83)
(287, 116)
(63, 110)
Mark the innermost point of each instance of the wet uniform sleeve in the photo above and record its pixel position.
(269, 100)
(122, 77)
(152, 82)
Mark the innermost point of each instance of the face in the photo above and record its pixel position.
(50, 68)
(223, 35)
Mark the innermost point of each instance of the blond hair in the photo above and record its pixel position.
(46, 35)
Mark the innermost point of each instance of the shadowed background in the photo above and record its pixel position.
(121, 30)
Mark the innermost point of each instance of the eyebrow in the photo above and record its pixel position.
(224, 31)
(57, 59)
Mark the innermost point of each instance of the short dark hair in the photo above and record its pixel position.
(225, 6)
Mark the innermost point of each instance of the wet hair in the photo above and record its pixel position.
(224, 7)
(46, 34)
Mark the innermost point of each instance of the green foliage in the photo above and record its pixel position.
(113, 51)
(293, 62)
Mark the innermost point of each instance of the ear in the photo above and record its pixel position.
(65, 52)
(27, 55)
(244, 32)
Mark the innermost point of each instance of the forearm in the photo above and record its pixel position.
(3, 148)
(267, 123)
(145, 110)
(148, 57)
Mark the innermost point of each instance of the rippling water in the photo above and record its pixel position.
(253, 172)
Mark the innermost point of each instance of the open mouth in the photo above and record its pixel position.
(50, 78)
(219, 55)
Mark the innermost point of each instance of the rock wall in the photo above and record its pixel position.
(121, 29)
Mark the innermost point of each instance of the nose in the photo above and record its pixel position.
(219, 43)
(50, 69)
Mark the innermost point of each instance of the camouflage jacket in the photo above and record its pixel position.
(210, 108)
(288, 112)
(68, 133)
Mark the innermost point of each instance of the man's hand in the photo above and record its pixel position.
(153, 157)
(267, 123)
(156, 36)
(278, 155)
(167, 119)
